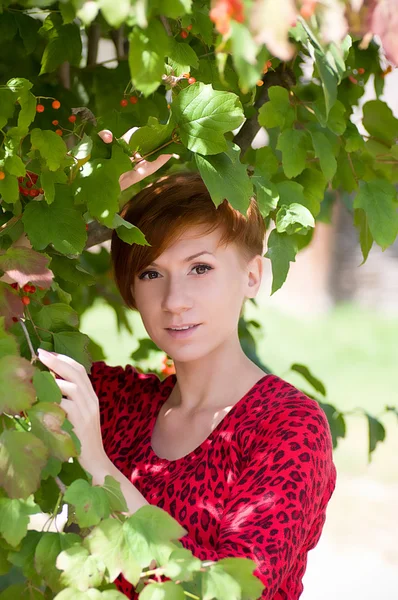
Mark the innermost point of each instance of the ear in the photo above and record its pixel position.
(254, 276)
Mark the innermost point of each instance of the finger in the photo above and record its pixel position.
(106, 136)
(126, 136)
(142, 170)
(65, 366)
(67, 388)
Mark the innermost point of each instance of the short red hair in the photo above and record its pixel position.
(164, 210)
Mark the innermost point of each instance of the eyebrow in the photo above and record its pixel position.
(188, 257)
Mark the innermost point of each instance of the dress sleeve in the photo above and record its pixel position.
(277, 506)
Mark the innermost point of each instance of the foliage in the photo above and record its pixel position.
(198, 80)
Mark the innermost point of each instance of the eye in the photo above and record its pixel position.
(201, 266)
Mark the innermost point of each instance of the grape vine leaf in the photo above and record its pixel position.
(14, 518)
(23, 453)
(282, 250)
(378, 198)
(204, 115)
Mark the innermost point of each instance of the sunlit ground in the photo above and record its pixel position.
(355, 353)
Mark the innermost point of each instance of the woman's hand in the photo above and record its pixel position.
(81, 406)
(143, 168)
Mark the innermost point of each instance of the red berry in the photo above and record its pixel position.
(15, 319)
(189, 27)
(184, 34)
(133, 99)
(39, 108)
(361, 70)
(2, 175)
(55, 122)
(25, 192)
(123, 102)
(29, 183)
(34, 192)
(32, 289)
(26, 287)
(56, 104)
(352, 79)
(72, 118)
(191, 80)
(86, 226)
(59, 132)
(32, 176)
(14, 285)
(25, 300)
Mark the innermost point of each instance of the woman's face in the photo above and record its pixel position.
(207, 290)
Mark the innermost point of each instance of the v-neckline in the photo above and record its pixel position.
(198, 449)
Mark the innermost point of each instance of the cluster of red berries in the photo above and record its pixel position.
(27, 185)
(185, 32)
(167, 366)
(124, 101)
(190, 79)
(359, 71)
(28, 289)
(56, 104)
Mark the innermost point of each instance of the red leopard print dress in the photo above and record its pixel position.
(257, 487)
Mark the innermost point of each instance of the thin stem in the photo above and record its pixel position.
(61, 485)
(34, 326)
(32, 350)
(153, 151)
(352, 167)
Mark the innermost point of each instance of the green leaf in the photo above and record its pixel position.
(294, 218)
(379, 121)
(328, 78)
(306, 373)
(47, 550)
(57, 317)
(14, 165)
(216, 583)
(365, 237)
(16, 391)
(226, 178)
(22, 456)
(324, 151)
(151, 136)
(115, 13)
(162, 591)
(241, 569)
(291, 143)
(46, 422)
(181, 57)
(128, 232)
(378, 198)
(151, 531)
(282, 250)
(313, 184)
(91, 503)
(117, 501)
(97, 185)
(64, 44)
(14, 517)
(48, 180)
(80, 570)
(8, 26)
(71, 270)
(73, 344)
(7, 105)
(9, 190)
(244, 52)
(204, 115)
(267, 194)
(336, 422)
(107, 542)
(23, 556)
(377, 433)
(266, 162)
(28, 30)
(337, 120)
(172, 8)
(147, 50)
(60, 223)
(51, 147)
(182, 565)
(278, 112)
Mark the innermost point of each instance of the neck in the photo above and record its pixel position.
(212, 381)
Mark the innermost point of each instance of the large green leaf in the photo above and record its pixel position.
(147, 50)
(60, 223)
(73, 344)
(267, 194)
(162, 591)
(324, 151)
(241, 569)
(22, 457)
(377, 433)
(366, 240)
(9, 191)
(182, 565)
(151, 136)
(379, 121)
(46, 388)
(14, 518)
(51, 147)
(216, 583)
(378, 198)
(294, 218)
(64, 43)
(115, 13)
(8, 344)
(80, 570)
(181, 57)
(291, 143)
(204, 115)
(47, 550)
(278, 112)
(282, 250)
(90, 502)
(226, 178)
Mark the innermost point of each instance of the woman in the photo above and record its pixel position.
(241, 459)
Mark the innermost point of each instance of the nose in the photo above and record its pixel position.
(176, 296)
